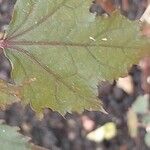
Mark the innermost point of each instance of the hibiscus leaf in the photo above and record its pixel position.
(60, 51)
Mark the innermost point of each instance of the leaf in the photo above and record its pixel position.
(11, 139)
(65, 51)
(141, 104)
(9, 93)
(146, 119)
(147, 139)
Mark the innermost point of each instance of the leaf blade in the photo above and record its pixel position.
(68, 51)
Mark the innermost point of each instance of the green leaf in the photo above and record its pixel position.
(147, 139)
(9, 93)
(146, 119)
(61, 52)
(10, 139)
(141, 104)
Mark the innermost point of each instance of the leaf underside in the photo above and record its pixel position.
(60, 52)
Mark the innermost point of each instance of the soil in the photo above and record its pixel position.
(56, 132)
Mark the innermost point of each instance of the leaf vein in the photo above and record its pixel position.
(39, 22)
